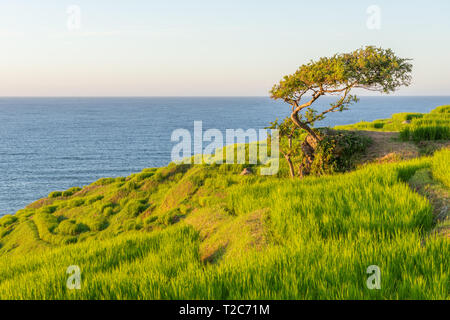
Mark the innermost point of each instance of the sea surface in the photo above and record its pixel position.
(49, 144)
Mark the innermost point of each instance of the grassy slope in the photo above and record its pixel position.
(438, 119)
(205, 232)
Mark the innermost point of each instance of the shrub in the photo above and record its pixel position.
(336, 152)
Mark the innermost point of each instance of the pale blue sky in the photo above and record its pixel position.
(205, 48)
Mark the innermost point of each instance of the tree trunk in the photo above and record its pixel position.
(308, 146)
(291, 166)
(308, 149)
(304, 126)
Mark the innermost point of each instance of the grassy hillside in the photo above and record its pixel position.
(412, 126)
(206, 232)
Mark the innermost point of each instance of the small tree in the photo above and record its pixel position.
(369, 68)
(290, 141)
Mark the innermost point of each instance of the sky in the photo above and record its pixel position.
(206, 48)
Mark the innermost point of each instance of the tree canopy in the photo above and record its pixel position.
(369, 68)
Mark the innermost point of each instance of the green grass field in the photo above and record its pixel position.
(412, 126)
(205, 232)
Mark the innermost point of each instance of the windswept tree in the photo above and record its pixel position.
(369, 68)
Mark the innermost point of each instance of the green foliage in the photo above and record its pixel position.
(136, 207)
(433, 126)
(205, 232)
(144, 175)
(337, 152)
(369, 67)
(302, 247)
(70, 192)
(425, 132)
(412, 126)
(7, 220)
(94, 199)
(98, 223)
(442, 109)
(170, 217)
(76, 203)
(70, 227)
(441, 166)
(406, 116)
(104, 181)
(55, 194)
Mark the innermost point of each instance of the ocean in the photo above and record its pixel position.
(49, 144)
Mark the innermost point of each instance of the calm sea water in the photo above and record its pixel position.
(51, 144)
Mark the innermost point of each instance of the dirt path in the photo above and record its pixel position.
(386, 147)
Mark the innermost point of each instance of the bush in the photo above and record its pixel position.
(337, 151)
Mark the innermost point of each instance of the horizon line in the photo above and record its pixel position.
(209, 96)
